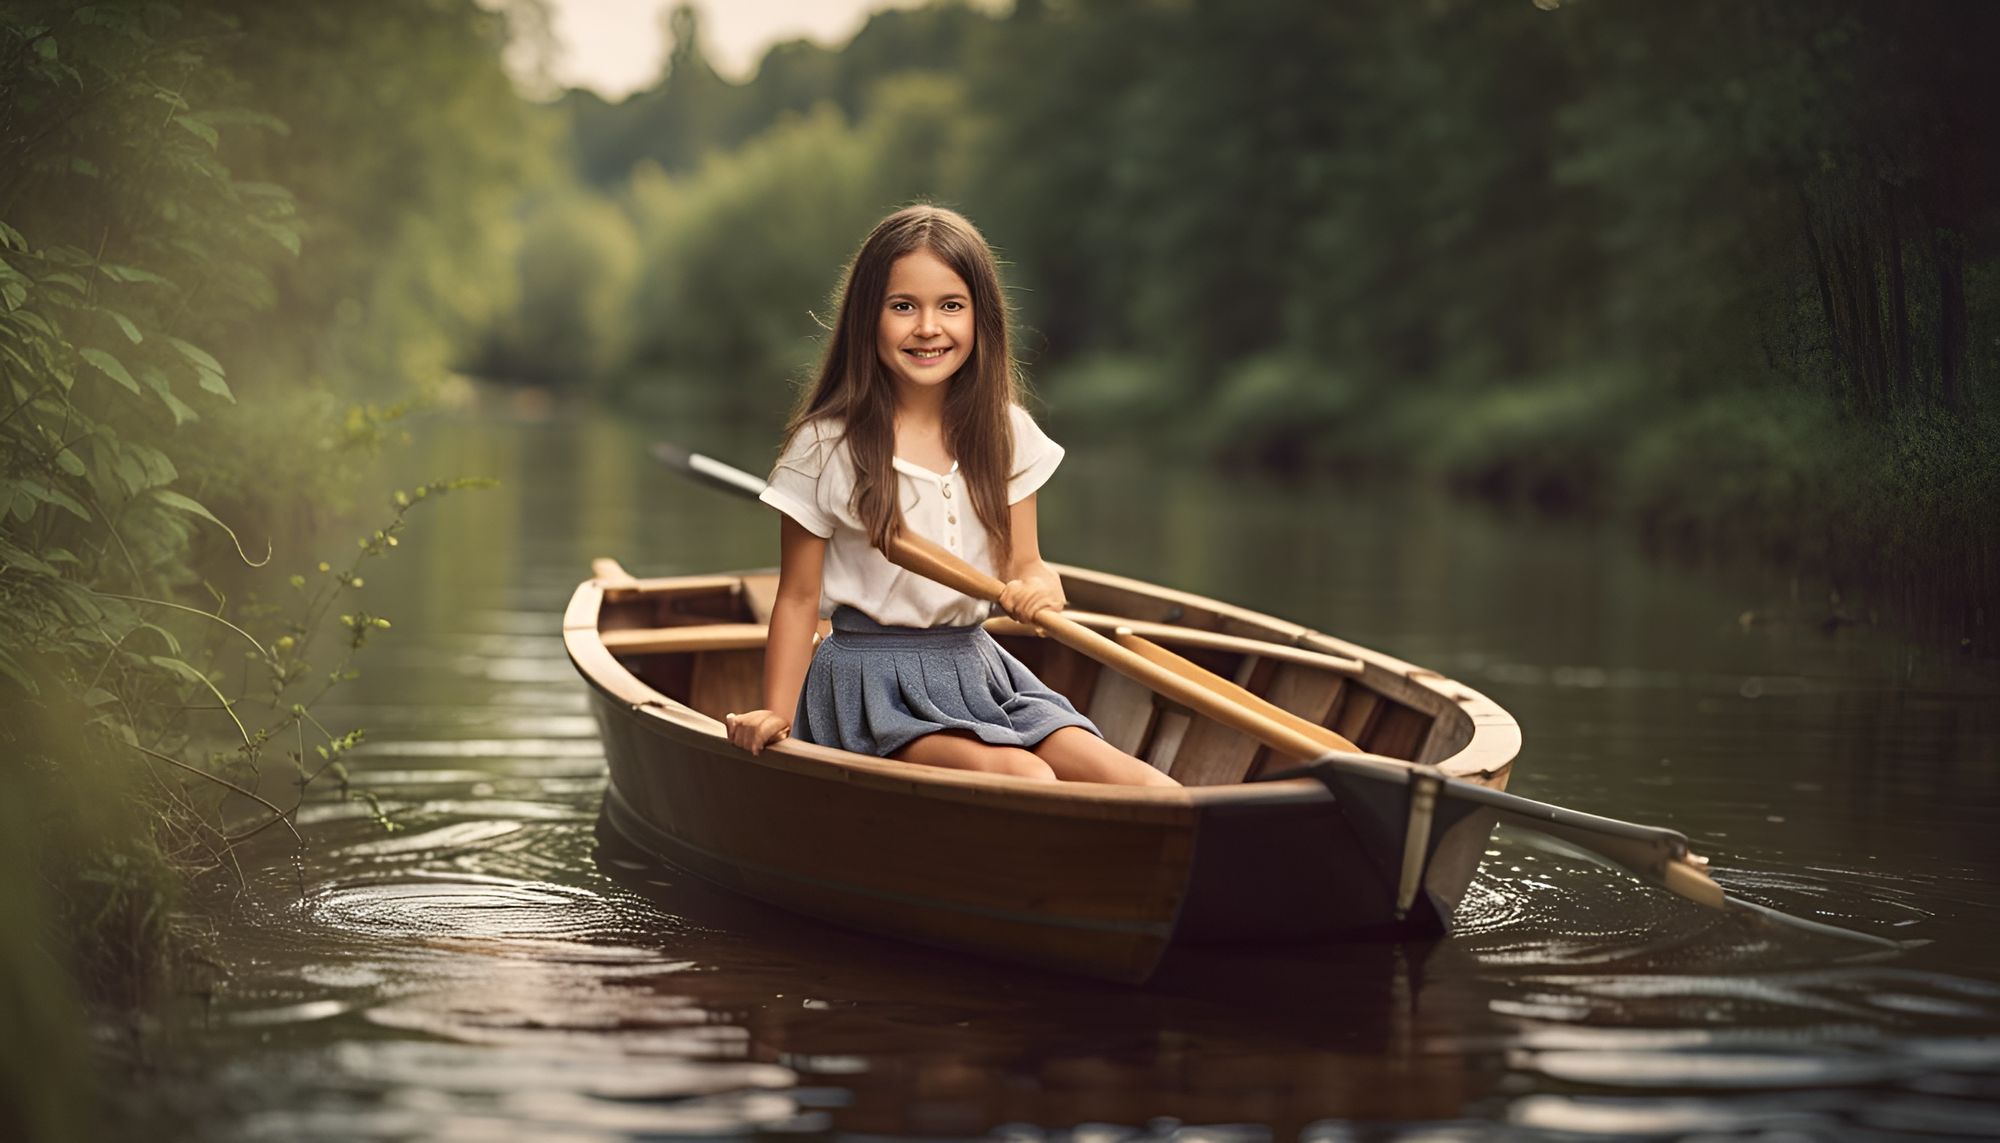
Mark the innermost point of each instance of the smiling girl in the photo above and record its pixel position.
(914, 422)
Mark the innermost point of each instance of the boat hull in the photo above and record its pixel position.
(1095, 880)
(1056, 890)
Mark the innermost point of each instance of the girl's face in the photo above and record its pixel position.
(924, 333)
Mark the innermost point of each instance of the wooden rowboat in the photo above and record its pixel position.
(1086, 878)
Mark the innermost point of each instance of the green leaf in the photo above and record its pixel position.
(64, 278)
(166, 636)
(131, 473)
(110, 367)
(197, 355)
(213, 383)
(15, 557)
(38, 323)
(34, 487)
(176, 666)
(131, 331)
(182, 411)
(158, 468)
(27, 370)
(69, 462)
(45, 47)
(198, 128)
(131, 274)
(190, 505)
(157, 381)
(248, 118)
(11, 239)
(13, 671)
(15, 294)
(284, 235)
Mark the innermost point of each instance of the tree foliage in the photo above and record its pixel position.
(693, 112)
(219, 221)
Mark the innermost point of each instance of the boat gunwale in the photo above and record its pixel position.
(602, 670)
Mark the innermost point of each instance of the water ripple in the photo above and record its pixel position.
(484, 748)
(444, 839)
(464, 906)
(1720, 1071)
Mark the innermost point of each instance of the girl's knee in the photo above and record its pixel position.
(959, 751)
(1021, 764)
(1077, 755)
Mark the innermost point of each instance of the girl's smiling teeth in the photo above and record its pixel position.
(929, 354)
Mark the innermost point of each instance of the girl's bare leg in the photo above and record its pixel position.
(957, 750)
(1076, 755)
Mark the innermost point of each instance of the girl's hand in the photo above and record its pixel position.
(1023, 599)
(757, 729)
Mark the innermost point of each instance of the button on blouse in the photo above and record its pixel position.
(813, 483)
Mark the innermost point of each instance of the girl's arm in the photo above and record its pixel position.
(1032, 586)
(788, 649)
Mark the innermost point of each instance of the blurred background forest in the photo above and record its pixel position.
(1728, 271)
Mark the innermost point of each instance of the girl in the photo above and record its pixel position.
(913, 422)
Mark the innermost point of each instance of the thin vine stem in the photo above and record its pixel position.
(222, 781)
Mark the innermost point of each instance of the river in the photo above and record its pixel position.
(489, 970)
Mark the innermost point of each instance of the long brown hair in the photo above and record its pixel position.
(853, 385)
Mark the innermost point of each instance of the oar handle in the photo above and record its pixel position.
(920, 555)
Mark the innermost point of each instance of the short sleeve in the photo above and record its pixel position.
(1035, 457)
(794, 487)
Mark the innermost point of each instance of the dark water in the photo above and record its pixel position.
(489, 971)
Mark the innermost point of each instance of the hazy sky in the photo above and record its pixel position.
(615, 46)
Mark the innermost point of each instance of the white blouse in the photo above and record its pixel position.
(813, 483)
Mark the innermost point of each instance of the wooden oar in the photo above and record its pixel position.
(1659, 855)
(1652, 853)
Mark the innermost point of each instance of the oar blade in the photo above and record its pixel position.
(1649, 860)
(1651, 853)
(708, 470)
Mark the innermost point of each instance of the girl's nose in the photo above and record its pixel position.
(927, 323)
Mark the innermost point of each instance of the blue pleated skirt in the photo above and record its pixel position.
(873, 689)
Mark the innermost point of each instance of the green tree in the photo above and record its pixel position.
(576, 265)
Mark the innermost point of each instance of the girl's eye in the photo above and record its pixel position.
(954, 307)
(901, 307)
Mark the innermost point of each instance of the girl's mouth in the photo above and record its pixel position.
(928, 354)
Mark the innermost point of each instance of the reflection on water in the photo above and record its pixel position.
(492, 969)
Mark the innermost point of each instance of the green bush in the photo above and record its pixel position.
(1739, 464)
(1282, 408)
(1552, 439)
(151, 235)
(1100, 392)
(576, 266)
